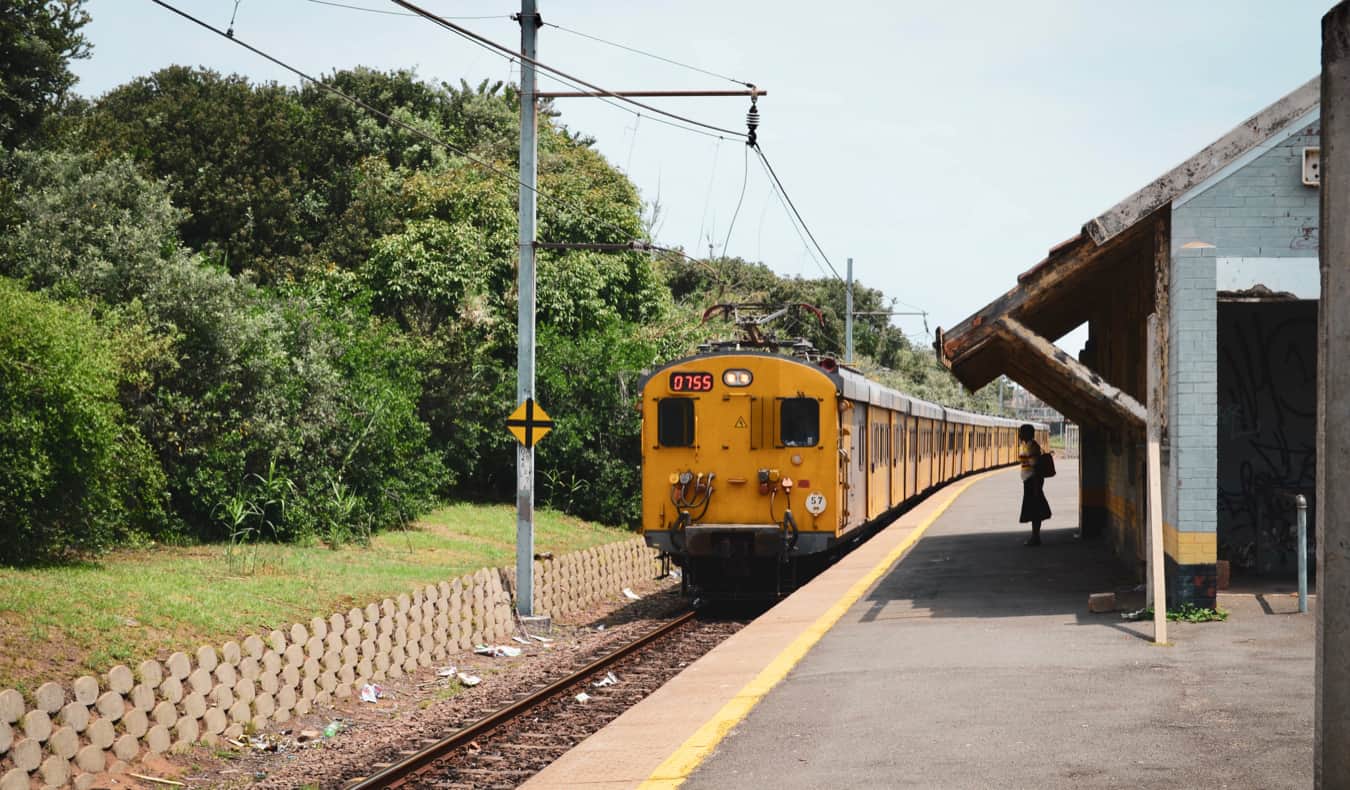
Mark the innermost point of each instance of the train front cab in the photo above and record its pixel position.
(716, 462)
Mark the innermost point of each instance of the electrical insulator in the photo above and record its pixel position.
(752, 120)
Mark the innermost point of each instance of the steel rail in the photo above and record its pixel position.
(415, 764)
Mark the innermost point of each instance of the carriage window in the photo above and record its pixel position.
(799, 424)
(675, 422)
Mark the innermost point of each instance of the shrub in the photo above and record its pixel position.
(73, 476)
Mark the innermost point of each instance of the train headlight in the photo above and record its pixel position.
(737, 377)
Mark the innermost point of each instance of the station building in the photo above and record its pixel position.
(1223, 250)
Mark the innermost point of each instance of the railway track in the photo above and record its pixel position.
(511, 744)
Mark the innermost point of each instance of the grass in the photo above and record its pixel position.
(60, 622)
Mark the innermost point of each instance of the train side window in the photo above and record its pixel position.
(675, 422)
(799, 422)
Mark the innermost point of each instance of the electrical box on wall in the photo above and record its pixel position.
(1312, 166)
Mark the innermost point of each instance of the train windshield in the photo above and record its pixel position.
(799, 422)
(675, 422)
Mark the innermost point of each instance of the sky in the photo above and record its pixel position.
(945, 147)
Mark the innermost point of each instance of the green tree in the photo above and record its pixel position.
(38, 39)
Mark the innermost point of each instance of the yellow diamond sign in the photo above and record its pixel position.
(528, 423)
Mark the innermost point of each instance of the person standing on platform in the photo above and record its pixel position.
(1035, 507)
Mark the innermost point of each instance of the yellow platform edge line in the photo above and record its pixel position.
(679, 765)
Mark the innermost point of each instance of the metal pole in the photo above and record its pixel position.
(1157, 586)
(529, 30)
(848, 315)
(1332, 708)
(1301, 502)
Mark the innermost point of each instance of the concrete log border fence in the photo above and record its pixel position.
(63, 735)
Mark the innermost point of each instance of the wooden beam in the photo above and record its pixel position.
(1070, 375)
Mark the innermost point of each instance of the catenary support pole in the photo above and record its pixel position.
(1155, 517)
(529, 31)
(848, 315)
(1331, 749)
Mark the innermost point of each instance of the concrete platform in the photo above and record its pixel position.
(973, 663)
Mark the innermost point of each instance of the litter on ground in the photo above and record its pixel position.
(539, 638)
(583, 697)
(520, 639)
(371, 692)
(497, 651)
(446, 672)
(630, 595)
(608, 680)
(469, 680)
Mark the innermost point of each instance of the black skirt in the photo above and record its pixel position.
(1035, 507)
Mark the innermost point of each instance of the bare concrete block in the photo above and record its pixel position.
(226, 674)
(267, 681)
(179, 665)
(111, 706)
(404, 602)
(121, 679)
(331, 660)
(365, 667)
(371, 613)
(264, 705)
(328, 682)
(254, 647)
(346, 673)
(397, 655)
(281, 715)
(222, 696)
(84, 781)
(234, 732)
(286, 698)
(298, 634)
(215, 721)
(381, 662)
(388, 608)
(312, 668)
(77, 716)
(55, 771)
(6, 738)
(136, 722)
(187, 730)
(385, 627)
(207, 658)
(302, 707)
(158, 740)
(194, 706)
(333, 641)
(38, 725)
(394, 671)
(244, 690)
(249, 668)
(355, 618)
(85, 688)
(350, 655)
(91, 758)
(49, 697)
(101, 733)
(272, 662)
(1102, 602)
(277, 641)
(240, 712)
(290, 676)
(369, 631)
(336, 623)
(323, 699)
(201, 680)
(126, 747)
(171, 689)
(318, 627)
(14, 779)
(308, 689)
(64, 742)
(314, 647)
(26, 754)
(165, 714)
(258, 723)
(294, 655)
(150, 673)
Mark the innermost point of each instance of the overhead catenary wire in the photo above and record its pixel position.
(387, 12)
(783, 191)
(464, 32)
(652, 55)
(745, 178)
(471, 158)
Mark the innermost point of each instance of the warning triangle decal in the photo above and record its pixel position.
(740, 422)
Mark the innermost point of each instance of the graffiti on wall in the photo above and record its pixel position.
(1267, 409)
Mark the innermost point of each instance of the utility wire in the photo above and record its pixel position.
(806, 246)
(387, 12)
(654, 56)
(485, 165)
(472, 36)
(783, 191)
(745, 178)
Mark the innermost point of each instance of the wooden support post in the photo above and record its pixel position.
(1155, 510)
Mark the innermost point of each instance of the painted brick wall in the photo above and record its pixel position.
(1261, 211)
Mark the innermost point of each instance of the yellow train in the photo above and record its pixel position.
(757, 466)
